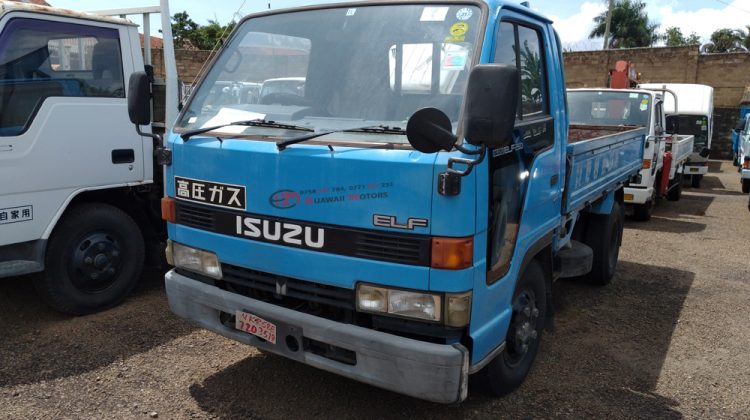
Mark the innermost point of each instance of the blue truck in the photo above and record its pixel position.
(401, 219)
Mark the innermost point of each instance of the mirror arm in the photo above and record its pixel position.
(470, 164)
(467, 151)
(163, 155)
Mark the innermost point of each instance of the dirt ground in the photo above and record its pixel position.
(668, 338)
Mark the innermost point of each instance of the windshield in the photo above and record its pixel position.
(334, 69)
(609, 108)
(697, 125)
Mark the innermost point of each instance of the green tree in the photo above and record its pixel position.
(673, 37)
(727, 40)
(630, 26)
(189, 34)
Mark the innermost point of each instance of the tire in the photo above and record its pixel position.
(642, 212)
(746, 186)
(604, 236)
(508, 370)
(675, 192)
(695, 181)
(94, 259)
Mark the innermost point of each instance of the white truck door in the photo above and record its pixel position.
(63, 117)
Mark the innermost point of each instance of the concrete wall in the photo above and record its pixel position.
(729, 74)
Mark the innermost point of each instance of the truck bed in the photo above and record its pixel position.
(600, 160)
(681, 147)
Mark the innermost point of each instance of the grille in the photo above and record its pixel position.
(265, 283)
(389, 247)
(194, 216)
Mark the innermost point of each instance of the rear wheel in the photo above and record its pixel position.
(675, 190)
(509, 369)
(604, 236)
(746, 186)
(695, 181)
(94, 259)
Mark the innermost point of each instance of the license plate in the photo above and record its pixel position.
(628, 197)
(255, 325)
(694, 169)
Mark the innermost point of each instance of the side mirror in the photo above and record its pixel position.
(491, 104)
(429, 131)
(139, 98)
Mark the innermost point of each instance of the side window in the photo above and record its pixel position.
(41, 59)
(522, 46)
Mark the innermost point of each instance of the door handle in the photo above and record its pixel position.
(123, 156)
(553, 180)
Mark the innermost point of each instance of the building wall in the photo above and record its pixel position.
(728, 74)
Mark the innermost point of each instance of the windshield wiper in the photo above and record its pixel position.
(260, 122)
(375, 129)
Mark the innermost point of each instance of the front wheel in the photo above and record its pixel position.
(675, 190)
(94, 259)
(509, 369)
(642, 212)
(746, 186)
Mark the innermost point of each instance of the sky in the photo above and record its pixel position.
(573, 19)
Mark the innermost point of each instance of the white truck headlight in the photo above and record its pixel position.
(196, 260)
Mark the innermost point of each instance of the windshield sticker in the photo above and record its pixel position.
(434, 14)
(286, 199)
(633, 96)
(464, 13)
(192, 120)
(644, 105)
(16, 214)
(459, 29)
(351, 12)
(227, 115)
(455, 60)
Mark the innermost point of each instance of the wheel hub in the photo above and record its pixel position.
(95, 262)
(523, 324)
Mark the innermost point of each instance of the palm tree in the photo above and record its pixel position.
(727, 40)
(630, 26)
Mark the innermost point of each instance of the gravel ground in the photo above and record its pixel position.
(668, 338)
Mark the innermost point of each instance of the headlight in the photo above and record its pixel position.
(412, 304)
(201, 262)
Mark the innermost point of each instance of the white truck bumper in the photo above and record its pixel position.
(638, 195)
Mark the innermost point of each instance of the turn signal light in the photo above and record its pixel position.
(452, 253)
(647, 164)
(168, 211)
(746, 163)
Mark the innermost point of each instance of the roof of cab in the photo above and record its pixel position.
(9, 6)
(692, 99)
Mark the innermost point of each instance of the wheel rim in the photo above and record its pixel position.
(523, 327)
(95, 262)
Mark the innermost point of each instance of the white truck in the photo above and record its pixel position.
(665, 153)
(80, 190)
(694, 116)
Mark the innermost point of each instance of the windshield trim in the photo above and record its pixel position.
(476, 56)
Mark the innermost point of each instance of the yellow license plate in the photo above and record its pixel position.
(694, 169)
(629, 197)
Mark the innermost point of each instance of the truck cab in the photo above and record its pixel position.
(402, 221)
(743, 156)
(78, 193)
(639, 108)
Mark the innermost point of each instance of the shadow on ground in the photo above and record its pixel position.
(603, 359)
(37, 343)
(711, 184)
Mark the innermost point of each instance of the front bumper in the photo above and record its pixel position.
(638, 195)
(434, 372)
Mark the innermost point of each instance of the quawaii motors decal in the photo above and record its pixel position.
(286, 199)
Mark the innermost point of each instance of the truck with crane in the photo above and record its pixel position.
(624, 104)
(80, 191)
